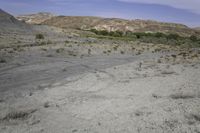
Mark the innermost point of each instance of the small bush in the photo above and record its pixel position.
(66, 41)
(39, 36)
(49, 42)
(122, 52)
(117, 34)
(182, 96)
(159, 35)
(173, 36)
(109, 51)
(19, 115)
(94, 31)
(43, 49)
(115, 47)
(49, 55)
(60, 50)
(42, 43)
(18, 41)
(46, 105)
(193, 38)
(2, 60)
(89, 51)
(129, 34)
(72, 53)
(103, 32)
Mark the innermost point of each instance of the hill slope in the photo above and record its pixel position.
(35, 18)
(109, 24)
(114, 24)
(9, 24)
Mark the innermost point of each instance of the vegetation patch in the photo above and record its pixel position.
(2, 60)
(182, 96)
(60, 50)
(39, 36)
(156, 38)
(19, 115)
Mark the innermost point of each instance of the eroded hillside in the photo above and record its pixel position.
(115, 24)
(37, 18)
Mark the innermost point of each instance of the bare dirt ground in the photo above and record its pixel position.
(86, 85)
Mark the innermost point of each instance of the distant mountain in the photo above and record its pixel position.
(108, 24)
(37, 18)
(9, 23)
(114, 24)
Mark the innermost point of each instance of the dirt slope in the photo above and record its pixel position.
(8, 23)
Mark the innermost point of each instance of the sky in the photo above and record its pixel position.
(177, 11)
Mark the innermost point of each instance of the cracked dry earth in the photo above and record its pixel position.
(119, 98)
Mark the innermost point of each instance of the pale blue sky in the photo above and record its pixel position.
(178, 11)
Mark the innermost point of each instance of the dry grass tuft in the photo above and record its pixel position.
(196, 117)
(166, 72)
(182, 96)
(19, 115)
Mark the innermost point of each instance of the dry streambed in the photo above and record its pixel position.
(142, 93)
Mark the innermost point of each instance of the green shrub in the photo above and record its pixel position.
(107, 33)
(128, 33)
(42, 43)
(109, 51)
(59, 50)
(39, 36)
(89, 51)
(122, 52)
(104, 52)
(115, 47)
(159, 35)
(138, 35)
(112, 33)
(2, 60)
(103, 32)
(118, 34)
(67, 42)
(18, 41)
(94, 31)
(49, 42)
(43, 49)
(173, 36)
(193, 38)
